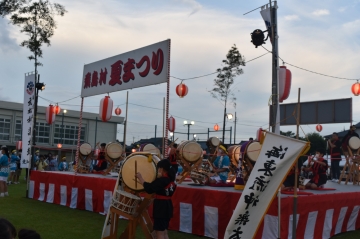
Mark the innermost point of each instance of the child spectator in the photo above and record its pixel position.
(4, 172)
(28, 234)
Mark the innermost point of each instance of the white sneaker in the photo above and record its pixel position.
(2, 195)
(6, 194)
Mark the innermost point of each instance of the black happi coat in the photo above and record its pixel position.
(163, 189)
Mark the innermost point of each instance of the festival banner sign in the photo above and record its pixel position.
(27, 122)
(141, 67)
(277, 155)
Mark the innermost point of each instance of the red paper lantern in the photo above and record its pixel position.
(181, 90)
(59, 146)
(171, 122)
(18, 145)
(50, 114)
(318, 127)
(106, 107)
(117, 111)
(216, 127)
(284, 83)
(57, 109)
(355, 89)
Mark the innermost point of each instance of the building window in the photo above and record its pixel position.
(69, 134)
(5, 129)
(18, 130)
(42, 133)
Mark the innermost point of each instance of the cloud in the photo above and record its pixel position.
(353, 26)
(291, 17)
(342, 9)
(321, 12)
(7, 43)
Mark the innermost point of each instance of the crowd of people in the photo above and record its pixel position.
(8, 231)
(49, 162)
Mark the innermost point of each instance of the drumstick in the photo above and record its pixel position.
(135, 174)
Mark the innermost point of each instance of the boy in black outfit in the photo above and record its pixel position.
(163, 187)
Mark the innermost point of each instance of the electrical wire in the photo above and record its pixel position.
(196, 77)
(314, 72)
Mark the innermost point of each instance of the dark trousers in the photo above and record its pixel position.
(335, 169)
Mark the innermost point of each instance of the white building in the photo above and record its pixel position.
(48, 136)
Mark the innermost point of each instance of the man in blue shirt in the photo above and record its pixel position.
(221, 164)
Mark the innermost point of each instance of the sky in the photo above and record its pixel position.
(321, 36)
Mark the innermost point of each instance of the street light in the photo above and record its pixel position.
(194, 136)
(188, 125)
(229, 116)
(172, 136)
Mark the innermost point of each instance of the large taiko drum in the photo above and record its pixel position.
(354, 143)
(85, 149)
(234, 153)
(190, 151)
(251, 150)
(150, 148)
(146, 165)
(214, 141)
(113, 150)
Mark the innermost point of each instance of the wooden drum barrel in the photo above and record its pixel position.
(190, 151)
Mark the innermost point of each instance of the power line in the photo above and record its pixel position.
(196, 77)
(314, 72)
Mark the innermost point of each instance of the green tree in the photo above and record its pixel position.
(36, 19)
(225, 79)
(317, 141)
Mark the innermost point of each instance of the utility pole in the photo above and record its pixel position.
(275, 67)
(235, 129)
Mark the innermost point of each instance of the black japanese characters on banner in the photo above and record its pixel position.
(258, 186)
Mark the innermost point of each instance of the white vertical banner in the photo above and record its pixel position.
(266, 15)
(27, 122)
(277, 155)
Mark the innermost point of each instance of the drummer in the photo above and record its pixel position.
(221, 164)
(345, 141)
(101, 160)
(319, 165)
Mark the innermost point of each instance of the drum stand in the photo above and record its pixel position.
(351, 168)
(232, 173)
(141, 217)
(248, 168)
(112, 163)
(83, 160)
(187, 168)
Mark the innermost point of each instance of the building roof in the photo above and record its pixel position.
(70, 113)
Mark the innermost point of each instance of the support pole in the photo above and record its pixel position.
(230, 133)
(167, 105)
(95, 131)
(155, 131)
(208, 133)
(296, 170)
(79, 134)
(279, 213)
(163, 138)
(223, 136)
(235, 129)
(125, 123)
(275, 66)
(188, 131)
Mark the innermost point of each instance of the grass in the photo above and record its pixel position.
(58, 222)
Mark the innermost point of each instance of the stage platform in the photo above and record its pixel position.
(205, 211)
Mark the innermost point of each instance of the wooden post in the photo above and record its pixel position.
(125, 124)
(296, 169)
